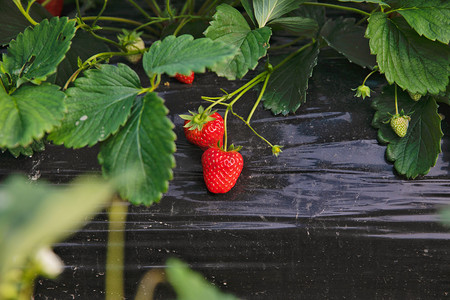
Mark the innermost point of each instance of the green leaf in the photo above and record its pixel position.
(28, 113)
(84, 45)
(267, 10)
(287, 86)
(344, 36)
(35, 146)
(97, 106)
(146, 144)
(230, 27)
(418, 151)
(13, 22)
(413, 62)
(298, 25)
(36, 53)
(317, 13)
(183, 54)
(248, 6)
(38, 215)
(430, 18)
(368, 1)
(190, 285)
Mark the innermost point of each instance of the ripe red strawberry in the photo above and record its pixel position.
(399, 123)
(221, 169)
(188, 79)
(53, 6)
(204, 129)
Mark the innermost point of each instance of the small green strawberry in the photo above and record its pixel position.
(400, 123)
(415, 96)
(362, 91)
(132, 41)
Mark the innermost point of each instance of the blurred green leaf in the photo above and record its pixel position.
(231, 28)
(184, 54)
(38, 215)
(418, 151)
(98, 104)
(190, 285)
(146, 144)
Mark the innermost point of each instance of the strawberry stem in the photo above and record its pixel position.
(396, 103)
(266, 80)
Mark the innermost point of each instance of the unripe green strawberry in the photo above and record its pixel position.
(399, 124)
(221, 169)
(132, 42)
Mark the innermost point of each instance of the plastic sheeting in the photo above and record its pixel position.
(328, 218)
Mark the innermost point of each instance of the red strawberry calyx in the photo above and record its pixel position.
(196, 120)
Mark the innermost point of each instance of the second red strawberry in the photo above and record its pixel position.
(204, 128)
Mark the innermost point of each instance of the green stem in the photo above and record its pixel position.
(367, 77)
(101, 12)
(259, 98)
(155, 7)
(225, 119)
(121, 20)
(114, 281)
(396, 102)
(24, 13)
(355, 10)
(77, 4)
(169, 10)
(252, 129)
(181, 25)
(142, 11)
(290, 56)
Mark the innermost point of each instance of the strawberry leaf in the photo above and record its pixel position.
(35, 146)
(83, 46)
(298, 25)
(231, 28)
(184, 54)
(430, 18)
(190, 285)
(13, 21)
(344, 36)
(418, 151)
(368, 1)
(97, 106)
(413, 62)
(287, 86)
(145, 143)
(36, 53)
(267, 10)
(28, 113)
(38, 215)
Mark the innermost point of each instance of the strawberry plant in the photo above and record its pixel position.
(62, 79)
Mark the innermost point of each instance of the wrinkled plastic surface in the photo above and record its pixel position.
(328, 218)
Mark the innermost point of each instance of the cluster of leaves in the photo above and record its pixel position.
(407, 41)
(31, 222)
